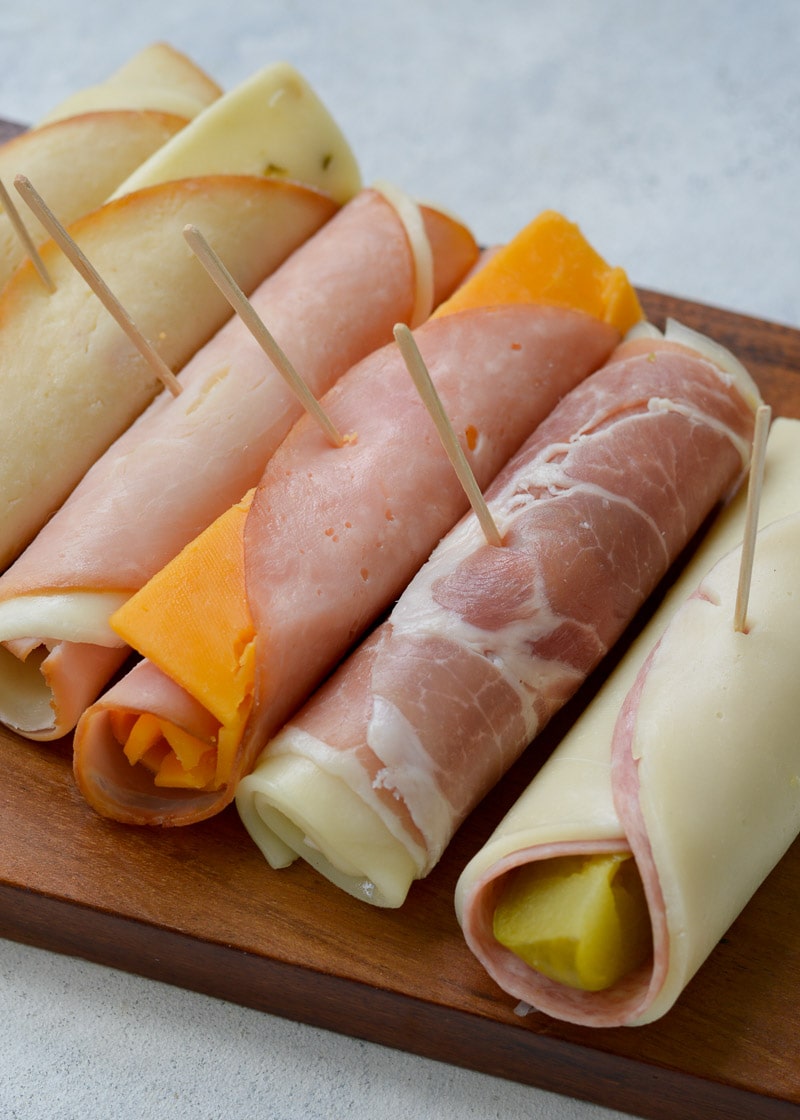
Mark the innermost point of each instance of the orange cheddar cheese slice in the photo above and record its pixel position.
(550, 261)
(193, 622)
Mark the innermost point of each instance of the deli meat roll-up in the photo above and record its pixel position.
(249, 618)
(188, 458)
(669, 801)
(369, 781)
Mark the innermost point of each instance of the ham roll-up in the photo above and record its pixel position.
(249, 618)
(669, 801)
(369, 781)
(188, 458)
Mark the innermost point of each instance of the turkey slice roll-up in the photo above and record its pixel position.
(369, 781)
(333, 534)
(674, 795)
(187, 459)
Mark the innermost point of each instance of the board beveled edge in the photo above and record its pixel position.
(388, 1018)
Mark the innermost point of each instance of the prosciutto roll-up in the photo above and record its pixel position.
(669, 801)
(332, 534)
(188, 458)
(488, 642)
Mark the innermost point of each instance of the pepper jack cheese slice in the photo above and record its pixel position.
(662, 764)
(273, 124)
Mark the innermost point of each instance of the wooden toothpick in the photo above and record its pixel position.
(430, 398)
(23, 234)
(87, 270)
(763, 416)
(247, 313)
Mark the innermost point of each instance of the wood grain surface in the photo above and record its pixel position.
(199, 908)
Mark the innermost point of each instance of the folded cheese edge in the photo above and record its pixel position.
(232, 377)
(30, 677)
(715, 779)
(309, 795)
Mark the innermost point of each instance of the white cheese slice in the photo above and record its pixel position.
(273, 124)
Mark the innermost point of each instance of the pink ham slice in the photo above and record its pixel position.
(487, 643)
(188, 459)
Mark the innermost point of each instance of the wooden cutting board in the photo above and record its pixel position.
(199, 908)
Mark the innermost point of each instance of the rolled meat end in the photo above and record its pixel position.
(188, 458)
(686, 763)
(333, 534)
(487, 643)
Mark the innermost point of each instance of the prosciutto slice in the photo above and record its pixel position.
(189, 458)
(487, 643)
(662, 763)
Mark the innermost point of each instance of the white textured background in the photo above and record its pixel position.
(671, 133)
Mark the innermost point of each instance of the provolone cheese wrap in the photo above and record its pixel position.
(188, 458)
(333, 534)
(688, 757)
(98, 137)
(488, 642)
